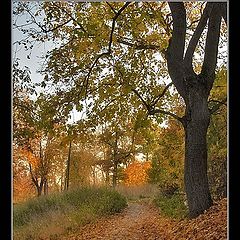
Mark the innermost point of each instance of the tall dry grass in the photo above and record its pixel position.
(135, 192)
(48, 217)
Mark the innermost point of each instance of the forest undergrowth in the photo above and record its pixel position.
(125, 213)
(55, 214)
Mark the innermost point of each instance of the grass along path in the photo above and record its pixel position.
(143, 221)
(138, 221)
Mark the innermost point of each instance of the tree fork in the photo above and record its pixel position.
(195, 90)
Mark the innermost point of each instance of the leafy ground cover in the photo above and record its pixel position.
(210, 225)
(88, 214)
(144, 221)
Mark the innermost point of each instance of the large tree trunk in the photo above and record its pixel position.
(195, 174)
(195, 89)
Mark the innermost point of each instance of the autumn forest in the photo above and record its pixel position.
(127, 123)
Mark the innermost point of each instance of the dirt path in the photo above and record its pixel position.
(139, 221)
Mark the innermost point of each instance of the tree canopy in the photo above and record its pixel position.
(129, 68)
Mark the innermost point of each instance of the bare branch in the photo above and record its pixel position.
(110, 102)
(155, 111)
(139, 46)
(141, 98)
(58, 26)
(224, 102)
(73, 19)
(44, 29)
(111, 7)
(114, 22)
(150, 107)
(162, 94)
(191, 24)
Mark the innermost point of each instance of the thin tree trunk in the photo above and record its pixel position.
(107, 177)
(39, 191)
(94, 175)
(115, 160)
(40, 187)
(61, 183)
(115, 174)
(45, 188)
(68, 166)
(195, 174)
(35, 181)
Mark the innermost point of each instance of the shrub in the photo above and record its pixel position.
(172, 206)
(58, 213)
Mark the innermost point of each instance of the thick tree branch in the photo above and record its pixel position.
(152, 111)
(175, 49)
(179, 30)
(195, 38)
(111, 7)
(109, 47)
(155, 111)
(223, 10)
(211, 48)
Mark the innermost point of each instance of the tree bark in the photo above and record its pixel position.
(39, 192)
(45, 188)
(35, 182)
(195, 173)
(195, 90)
(39, 187)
